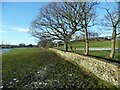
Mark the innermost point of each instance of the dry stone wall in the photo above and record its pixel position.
(105, 70)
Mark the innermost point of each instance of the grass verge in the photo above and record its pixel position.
(36, 68)
(103, 54)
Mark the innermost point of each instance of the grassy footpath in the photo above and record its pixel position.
(35, 68)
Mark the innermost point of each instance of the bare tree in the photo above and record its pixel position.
(81, 17)
(59, 20)
(93, 35)
(111, 21)
(77, 38)
(88, 20)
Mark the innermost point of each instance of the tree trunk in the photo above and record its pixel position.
(86, 52)
(113, 40)
(71, 48)
(75, 47)
(57, 45)
(66, 47)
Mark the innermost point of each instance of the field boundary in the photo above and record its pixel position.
(108, 71)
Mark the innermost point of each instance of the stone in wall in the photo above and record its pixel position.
(105, 70)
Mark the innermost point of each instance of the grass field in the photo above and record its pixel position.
(103, 54)
(36, 68)
(95, 44)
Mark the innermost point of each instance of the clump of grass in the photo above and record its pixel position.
(37, 68)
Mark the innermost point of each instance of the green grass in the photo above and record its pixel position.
(96, 44)
(36, 68)
(103, 54)
(93, 44)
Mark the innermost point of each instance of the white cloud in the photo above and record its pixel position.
(2, 26)
(1, 31)
(20, 29)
